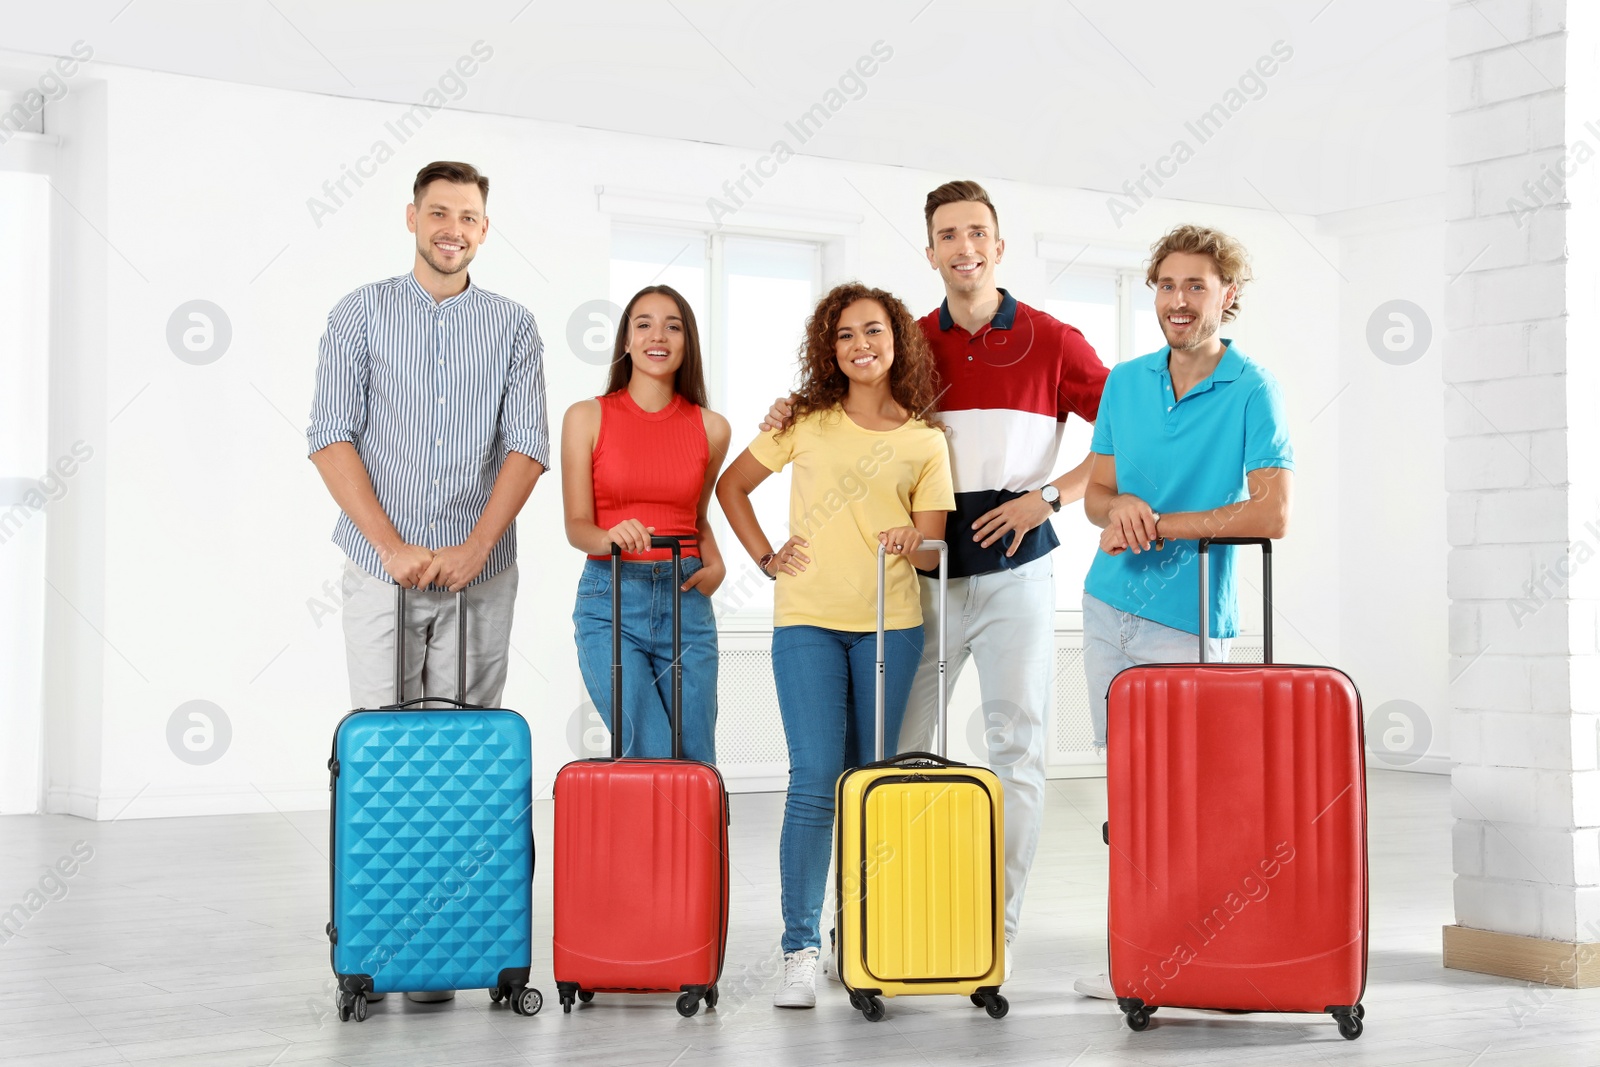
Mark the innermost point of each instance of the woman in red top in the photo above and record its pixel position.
(642, 460)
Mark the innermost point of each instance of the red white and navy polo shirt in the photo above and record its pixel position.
(1008, 390)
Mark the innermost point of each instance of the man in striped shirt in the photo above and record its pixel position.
(428, 427)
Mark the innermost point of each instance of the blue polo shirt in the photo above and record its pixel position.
(1191, 454)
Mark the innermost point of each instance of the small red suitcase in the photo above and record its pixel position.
(1236, 799)
(641, 855)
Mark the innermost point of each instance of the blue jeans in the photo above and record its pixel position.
(1114, 640)
(827, 681)
(647, 657)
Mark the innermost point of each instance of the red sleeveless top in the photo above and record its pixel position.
(650, 466)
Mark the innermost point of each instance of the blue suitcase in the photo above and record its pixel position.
(431, 843)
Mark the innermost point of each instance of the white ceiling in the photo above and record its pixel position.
(1062, 92)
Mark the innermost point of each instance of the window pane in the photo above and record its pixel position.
(24, 324)
(1089, 302)
(771, 288)
(656, 257)
(1147, 336)
(24, 369)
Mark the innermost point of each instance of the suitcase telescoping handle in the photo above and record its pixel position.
(1266, 589)
(676, 544)
(460, 699)
(944, 575)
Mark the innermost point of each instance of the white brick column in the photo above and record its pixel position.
(1522, 415)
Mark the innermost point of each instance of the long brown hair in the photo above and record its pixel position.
(689, 380)
(913, 382)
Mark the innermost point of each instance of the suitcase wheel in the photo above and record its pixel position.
(1350, 1025)
(688, 1004)
(497, 994)
(1139, 1019)
(870, 1006)
(996, 1005)
(585, 995)
(352, 1007)
(527, 1001)
(711, 997)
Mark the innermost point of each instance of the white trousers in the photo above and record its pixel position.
(1005, 623)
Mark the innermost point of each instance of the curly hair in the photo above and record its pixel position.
(1233, 263)
(913, 382)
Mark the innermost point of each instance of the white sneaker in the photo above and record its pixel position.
(830, 968)
(1098, 987)
(1007, 977)
(799, 989)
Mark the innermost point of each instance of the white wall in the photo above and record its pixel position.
(1389, 423)
(203, 529)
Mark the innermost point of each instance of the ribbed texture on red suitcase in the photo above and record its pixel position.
(640, 871)
(1237, 808)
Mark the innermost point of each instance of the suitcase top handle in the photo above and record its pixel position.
(400, 700)
(944, 577)
(676, 544)
(1266, 589)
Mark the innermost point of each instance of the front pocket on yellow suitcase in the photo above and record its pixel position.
(931, 877)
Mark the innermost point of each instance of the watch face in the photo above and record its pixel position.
(1050, 493)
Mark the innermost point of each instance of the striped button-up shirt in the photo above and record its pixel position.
(432, 396)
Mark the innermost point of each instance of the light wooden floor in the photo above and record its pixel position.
(200, 941)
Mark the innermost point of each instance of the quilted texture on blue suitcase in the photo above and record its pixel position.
(433, 848)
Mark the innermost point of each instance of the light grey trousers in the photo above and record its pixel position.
(369, 623)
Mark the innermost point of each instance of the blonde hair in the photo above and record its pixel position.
(1233, 263)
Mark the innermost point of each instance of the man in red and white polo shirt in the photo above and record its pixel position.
(1011, 376)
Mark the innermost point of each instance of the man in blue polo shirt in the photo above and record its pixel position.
(1191, 442)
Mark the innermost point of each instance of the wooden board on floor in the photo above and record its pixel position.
(1527, 959)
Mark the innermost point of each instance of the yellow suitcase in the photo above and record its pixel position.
(919, 855)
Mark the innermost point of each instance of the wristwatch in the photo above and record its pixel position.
(1052, 496)
(764, 561)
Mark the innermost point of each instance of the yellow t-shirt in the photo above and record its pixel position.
(848, 485)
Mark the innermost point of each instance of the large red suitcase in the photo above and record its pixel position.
(1238, 832)
(641, 856)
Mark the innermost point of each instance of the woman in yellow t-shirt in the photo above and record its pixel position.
(870, 467)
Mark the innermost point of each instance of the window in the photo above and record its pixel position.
(28, 483)
(751, 297)
(1114, 308)
(650, 257)
(1115, 311)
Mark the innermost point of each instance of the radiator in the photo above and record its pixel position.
(753, 757)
